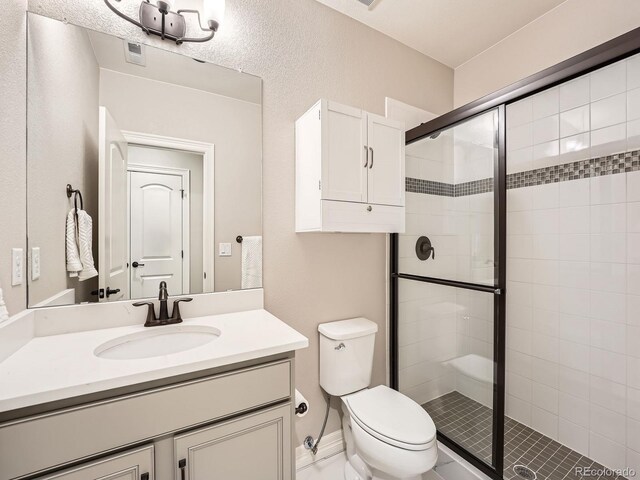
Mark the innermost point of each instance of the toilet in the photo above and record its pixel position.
(388, 435)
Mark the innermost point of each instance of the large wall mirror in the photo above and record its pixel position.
(143, 166)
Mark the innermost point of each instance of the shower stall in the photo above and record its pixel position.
(515, 291)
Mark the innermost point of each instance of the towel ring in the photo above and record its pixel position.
(70, 192)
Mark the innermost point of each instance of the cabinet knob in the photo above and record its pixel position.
(369, 208)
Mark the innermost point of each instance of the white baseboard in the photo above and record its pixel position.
(331, 444)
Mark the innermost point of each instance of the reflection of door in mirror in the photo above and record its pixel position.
(167, 221)
(157, 234)
(113, 232)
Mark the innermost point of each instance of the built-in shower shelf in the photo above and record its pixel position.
(475, 366)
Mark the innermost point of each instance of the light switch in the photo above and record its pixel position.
(17, 258)
(225, 250)
(35, 263)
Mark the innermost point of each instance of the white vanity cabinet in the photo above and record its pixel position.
(132, 465)
(255, 446)
(350, 171)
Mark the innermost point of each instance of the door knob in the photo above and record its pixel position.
(136, 264)
(98, 293)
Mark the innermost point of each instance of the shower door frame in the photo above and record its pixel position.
(609, 52)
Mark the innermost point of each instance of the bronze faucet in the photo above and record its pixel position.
(163, 318)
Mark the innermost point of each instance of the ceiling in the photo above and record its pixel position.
(451, 31)
(176, 69)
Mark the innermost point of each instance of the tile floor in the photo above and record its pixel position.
(469, 423)
(332, 468)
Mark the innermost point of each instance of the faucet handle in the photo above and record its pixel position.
(151, 313)
(175, 314)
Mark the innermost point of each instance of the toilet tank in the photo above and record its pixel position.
(346, 355)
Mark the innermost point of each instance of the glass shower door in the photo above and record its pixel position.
(449, 280)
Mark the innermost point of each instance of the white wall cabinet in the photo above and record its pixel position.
(255, 446)
(350, 171)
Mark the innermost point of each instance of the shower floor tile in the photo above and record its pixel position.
(470, 424)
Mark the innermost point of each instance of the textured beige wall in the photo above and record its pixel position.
(233, 126)
(304, 51)
(62, 147)
(13, 145)
(567, 30)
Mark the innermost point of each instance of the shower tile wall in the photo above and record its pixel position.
(573, 270)
(436, 323)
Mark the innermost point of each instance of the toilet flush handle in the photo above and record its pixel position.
(342, 346)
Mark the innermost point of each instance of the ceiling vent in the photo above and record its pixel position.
(134, 53)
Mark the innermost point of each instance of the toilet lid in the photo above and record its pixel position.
(390, 415)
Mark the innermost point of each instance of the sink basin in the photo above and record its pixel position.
(156, 342)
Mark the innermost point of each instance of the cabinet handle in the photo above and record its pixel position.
(182, 465)
(144, 476)
(366, 152)
(371, 148)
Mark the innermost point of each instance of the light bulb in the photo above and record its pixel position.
(214, 12)
(165, 5)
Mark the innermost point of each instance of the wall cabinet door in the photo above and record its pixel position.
(131, 465)
(344, 175)
(386, 180)
(253, 447)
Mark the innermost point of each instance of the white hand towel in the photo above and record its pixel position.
(252, 262)
(85, 238)
(74, 265)
(79, 252)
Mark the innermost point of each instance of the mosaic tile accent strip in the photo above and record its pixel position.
(474, 188)
(418, 185)
(610, 165)
(470, 424)
(594, 167)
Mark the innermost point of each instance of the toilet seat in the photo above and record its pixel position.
(392, 418)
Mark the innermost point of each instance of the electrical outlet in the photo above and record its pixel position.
(17, 259)
(35, 263)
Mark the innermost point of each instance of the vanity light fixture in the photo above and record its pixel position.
(158, 19)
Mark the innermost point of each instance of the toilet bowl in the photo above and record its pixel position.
(388, 435)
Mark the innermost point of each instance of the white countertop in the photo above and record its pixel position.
(56, 367)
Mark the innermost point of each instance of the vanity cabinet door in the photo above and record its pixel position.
(132, 465)
(256, 446)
